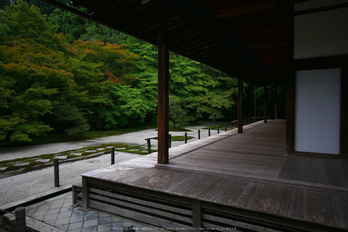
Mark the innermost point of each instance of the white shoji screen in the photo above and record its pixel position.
(317, 111)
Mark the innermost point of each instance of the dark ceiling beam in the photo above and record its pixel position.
(107, 6)
(321, 9)
(84, 15)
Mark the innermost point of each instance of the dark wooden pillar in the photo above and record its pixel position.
(163, 83)
(254, 103)
(265, 94)
(240, 105)
(275, 102)
(290, 81)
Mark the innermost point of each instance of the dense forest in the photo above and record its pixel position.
(62, 73)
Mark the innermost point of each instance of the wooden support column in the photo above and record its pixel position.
(196, 215)
(254, 103)
(240, 105)
(85, 193)
(290, 81)
(163, 83)
(275, 102)
(265, 94)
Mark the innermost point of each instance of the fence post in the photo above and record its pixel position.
(56, 171)
(209, 131)
(112, 155)
(218, 129)
(185, 137)
(169, 141)
(225, 127)
(148, 146)
(20, 219)
(199, 134)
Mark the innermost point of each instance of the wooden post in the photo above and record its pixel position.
(265, 104)
(240, 105)
(20, 219)
(209, 131)
(275, 102)
(254, 103)
(112, 155)
(199, 134)
(163, 83)
(56, 171)
(185, 137)
(169, 141)
(225, 127)
(196, 215)
(148, 146)
(218, 129)
(290, 81)
(85, 200)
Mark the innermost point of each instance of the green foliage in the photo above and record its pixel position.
(94, 32)
(176, 114)
(91, 77)
(69, 23)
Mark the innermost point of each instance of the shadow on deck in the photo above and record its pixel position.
(225, 182)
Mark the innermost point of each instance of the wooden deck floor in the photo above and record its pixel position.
(248, 173)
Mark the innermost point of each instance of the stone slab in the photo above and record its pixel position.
(21, 164)
(61, 157)
(42, 160)
(78, 154)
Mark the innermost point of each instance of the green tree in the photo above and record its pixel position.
(70, 24)
(176, 114)
(95, 31)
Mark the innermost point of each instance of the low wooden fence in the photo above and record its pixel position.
(233, 125)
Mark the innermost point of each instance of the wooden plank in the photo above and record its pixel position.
(201, 185)
(142, 202)
(160, 180)
(180, 187)
(233, 224)
(288, 201)
(231, 195)
(327, 208)
(163, 82)
(141, 208)
(137, 216)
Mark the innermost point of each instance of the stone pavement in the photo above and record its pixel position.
(58, 214)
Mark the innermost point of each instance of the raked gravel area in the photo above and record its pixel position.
(19, 187)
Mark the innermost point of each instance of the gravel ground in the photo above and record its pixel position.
(134, 138)
(19, 187)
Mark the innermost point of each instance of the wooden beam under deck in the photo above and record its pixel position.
(246, 176)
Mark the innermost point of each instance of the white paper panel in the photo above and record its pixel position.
(317, 114)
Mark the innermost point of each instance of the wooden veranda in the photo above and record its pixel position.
(226, 181)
